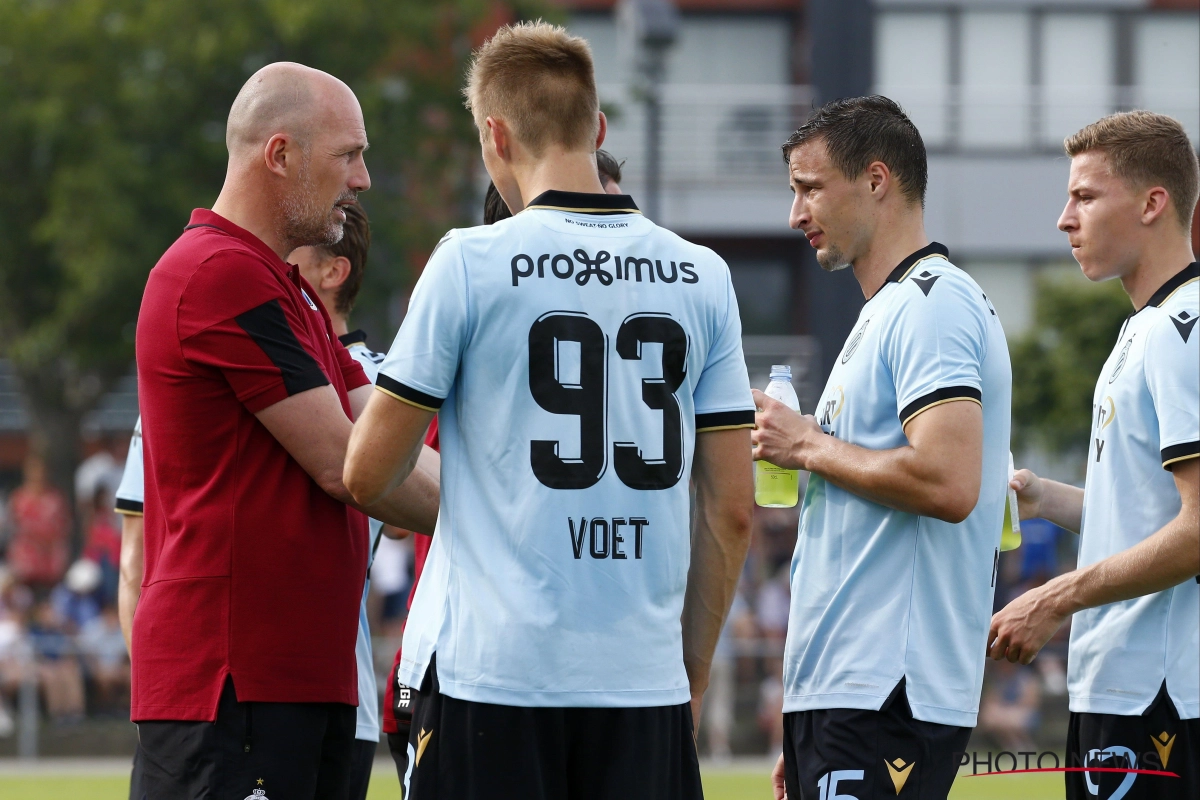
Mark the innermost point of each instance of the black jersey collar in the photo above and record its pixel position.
(353, 337)
(1189, 273)
(584, 203)
(905, 267)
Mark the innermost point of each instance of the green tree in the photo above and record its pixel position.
(1055, 365)
(112, 118)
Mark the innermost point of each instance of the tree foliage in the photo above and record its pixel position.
(112, 118)
(1055, 364)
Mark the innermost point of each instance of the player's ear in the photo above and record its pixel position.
(337, 269)
(880, 178)
(500, 140)
(276, 153)
(1155, 203)
(602, 132)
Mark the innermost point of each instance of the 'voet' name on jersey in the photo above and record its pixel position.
(605, 539)
(629, 268)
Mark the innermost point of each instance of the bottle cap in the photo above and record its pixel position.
(781, 372)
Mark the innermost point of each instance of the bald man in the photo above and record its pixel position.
(244, 673)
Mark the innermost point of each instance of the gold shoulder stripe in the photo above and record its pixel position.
(125, 512)
(724, 428)
(1180, 458)
(923, 409)
(406, 400)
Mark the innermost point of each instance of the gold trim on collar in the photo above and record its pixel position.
(585, 210)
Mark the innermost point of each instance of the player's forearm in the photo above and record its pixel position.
(413, 505)
(1168, 558)
(899, 479)
(129, 587)
(1062, 504)
(720, 539)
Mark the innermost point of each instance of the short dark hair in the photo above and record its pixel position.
(354, 246)
(860, 130)
(494, 207)
(608, 167)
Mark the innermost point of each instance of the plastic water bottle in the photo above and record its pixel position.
(775, 487)
(1010, 534)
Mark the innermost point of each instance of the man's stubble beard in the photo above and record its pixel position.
(306, 221)
(832, 259)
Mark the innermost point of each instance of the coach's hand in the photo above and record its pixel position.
(1022, 628)
(781, 436)
(778, 781)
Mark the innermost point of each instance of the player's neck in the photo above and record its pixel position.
(894, 241)
(1162, 258)
(564, 171)
(252, 211)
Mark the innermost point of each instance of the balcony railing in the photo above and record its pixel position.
(728, 136)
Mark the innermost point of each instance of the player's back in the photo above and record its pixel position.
(573, 351)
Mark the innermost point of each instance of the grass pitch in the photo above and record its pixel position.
(719, 784)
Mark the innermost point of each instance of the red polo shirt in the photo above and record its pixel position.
(251, 569)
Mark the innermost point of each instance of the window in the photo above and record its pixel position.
(1078, 73)
(995, 79)
(912, 66)
(1166, 67)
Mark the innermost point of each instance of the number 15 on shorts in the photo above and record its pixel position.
(829, 783)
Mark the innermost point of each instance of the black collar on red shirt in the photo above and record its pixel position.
(584, 203)
(1188, 273)
(353, 337)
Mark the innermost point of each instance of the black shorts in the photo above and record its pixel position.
(362, 761)
(463, 750)
(293, 751)
(136, 792)
(1157, 740)
(870, 755)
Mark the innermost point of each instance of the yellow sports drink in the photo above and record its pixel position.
(1010, 534)
(775, 487)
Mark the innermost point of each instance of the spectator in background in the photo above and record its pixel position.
(75, 600)
(58, 669)
(1009, 711)
(100, 470)
(41, 523)
(720, 700)
(105, 660)
(103, 543)
(14, 599)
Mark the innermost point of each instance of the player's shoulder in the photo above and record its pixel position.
(934, 284)
(357, 347)
(1173, 315)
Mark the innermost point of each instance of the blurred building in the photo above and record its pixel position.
(994, 86)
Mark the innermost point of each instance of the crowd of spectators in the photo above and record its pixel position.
(58, 593)
(59, 625)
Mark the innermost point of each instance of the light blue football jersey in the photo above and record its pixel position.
(1146, 417)
(572, 352)
(878, 594)
(367, 727)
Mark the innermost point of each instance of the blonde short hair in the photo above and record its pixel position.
(540, 80)
(1145, 149)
